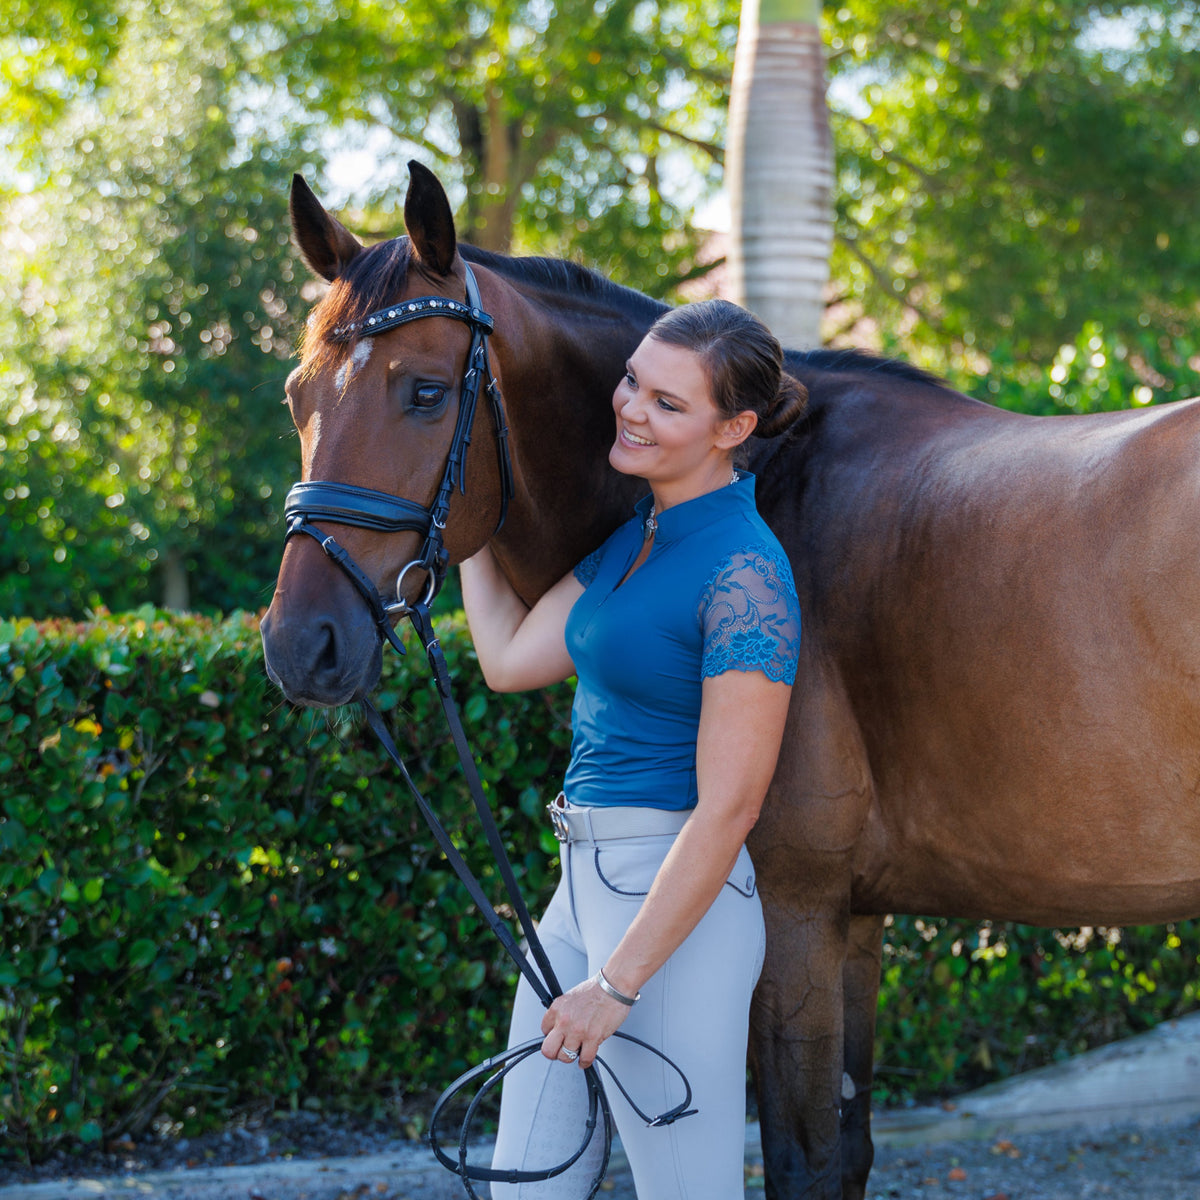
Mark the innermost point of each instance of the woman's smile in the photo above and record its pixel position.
(630, 436)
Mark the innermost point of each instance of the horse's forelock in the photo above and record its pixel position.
(370, 281)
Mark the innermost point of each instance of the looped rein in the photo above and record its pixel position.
(365, 508)
(541, 977)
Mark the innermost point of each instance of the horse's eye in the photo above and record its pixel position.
(428, 395)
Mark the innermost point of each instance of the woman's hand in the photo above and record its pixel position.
(580, 1020)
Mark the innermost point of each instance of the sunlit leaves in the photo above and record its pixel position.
(587, 128)
(1011, 172)
(146, 331)
(51, 53)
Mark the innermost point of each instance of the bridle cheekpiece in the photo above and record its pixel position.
(366, 508)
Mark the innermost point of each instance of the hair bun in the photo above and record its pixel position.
(786, 409)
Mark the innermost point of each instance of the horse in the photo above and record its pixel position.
(998, 699)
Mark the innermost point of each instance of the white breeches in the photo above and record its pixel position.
(695, 1009)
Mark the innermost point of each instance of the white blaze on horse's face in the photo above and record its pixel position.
(357, 359)
(312, 439)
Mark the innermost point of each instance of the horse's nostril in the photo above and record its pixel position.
(328, 665)
(325, 651)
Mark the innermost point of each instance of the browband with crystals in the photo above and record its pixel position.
(411, 310)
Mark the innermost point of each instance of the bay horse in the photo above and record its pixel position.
(997, 711)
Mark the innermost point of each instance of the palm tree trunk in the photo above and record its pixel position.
(176, 592)
(779, 167)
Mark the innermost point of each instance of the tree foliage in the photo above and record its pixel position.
(52, 52)
(147, 345)
(571, 128)
(1010, 172)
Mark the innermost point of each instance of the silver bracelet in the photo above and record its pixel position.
(608, 989)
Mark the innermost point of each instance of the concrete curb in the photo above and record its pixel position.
(299, 1179)
(1154, 1077)
(1143, 1080)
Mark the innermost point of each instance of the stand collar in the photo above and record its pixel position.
(682, 519)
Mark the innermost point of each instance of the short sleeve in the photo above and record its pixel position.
(586, 570)
(751, 617)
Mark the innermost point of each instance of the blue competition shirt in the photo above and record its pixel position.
(716, 594)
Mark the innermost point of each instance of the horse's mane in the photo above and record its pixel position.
(848, 361)
(376, 276)
(568, 278)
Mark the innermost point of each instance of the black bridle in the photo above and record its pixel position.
(365, 508)
(346, 504)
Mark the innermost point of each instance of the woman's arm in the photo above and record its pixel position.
(518, 647)
(742, 717)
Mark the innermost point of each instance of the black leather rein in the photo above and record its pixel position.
(365, 508)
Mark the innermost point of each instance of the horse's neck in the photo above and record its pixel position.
(559, 366)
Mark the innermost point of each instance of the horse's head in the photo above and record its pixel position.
(383, 384)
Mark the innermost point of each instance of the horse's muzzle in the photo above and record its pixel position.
(321, 660)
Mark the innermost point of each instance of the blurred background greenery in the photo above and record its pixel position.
(1015, 207)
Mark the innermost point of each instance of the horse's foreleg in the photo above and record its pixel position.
(861, 982)
(804, 848)
(796, 1052)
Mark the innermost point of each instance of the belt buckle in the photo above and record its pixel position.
(558, 823)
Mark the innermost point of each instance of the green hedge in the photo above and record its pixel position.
(208, 900)
(963, 1004)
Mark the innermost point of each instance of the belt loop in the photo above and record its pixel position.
(587, 817)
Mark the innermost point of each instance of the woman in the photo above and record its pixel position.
(683, 630)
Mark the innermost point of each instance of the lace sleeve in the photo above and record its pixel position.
(751, 617)
(586, 570)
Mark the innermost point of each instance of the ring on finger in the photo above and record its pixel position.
(569, 1055)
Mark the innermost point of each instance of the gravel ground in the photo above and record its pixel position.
(280, 1137)
(1158, 1162)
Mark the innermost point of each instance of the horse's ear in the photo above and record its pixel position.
(326, 245)
(429, 221)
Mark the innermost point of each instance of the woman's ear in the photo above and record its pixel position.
(736, 430)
